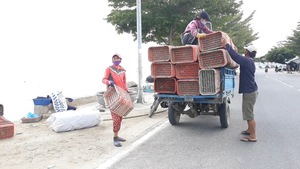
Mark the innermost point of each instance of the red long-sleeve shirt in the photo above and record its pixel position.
(116, 74)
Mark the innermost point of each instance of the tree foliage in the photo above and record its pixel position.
(279, 55)
(285, 50)
(293, 42)
(164, 20)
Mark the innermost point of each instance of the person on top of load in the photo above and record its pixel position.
(196, 29)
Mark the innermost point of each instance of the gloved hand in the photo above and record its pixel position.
(201, 35)
(111, 83)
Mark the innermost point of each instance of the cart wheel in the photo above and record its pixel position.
(1, 110)
(154, 107)
(224, 113)
(164, 104)
(174, 116)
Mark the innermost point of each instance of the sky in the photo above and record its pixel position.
(73, 33)
(273, 20)
(66, 45)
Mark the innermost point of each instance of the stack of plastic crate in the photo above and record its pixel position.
(162, 69)
(186, 63)
(190, 69)
(213, 55)
(212, 58)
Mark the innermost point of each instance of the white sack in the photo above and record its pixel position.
(73, 119)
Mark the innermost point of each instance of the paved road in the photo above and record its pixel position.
(202, 143)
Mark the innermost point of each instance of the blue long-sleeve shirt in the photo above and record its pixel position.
(247, 71)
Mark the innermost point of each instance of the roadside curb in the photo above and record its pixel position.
(139, 110)
(83, 100)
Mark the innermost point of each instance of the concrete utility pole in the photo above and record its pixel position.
(139, 38)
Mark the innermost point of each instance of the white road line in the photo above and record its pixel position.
(280, 81)
(108, 163)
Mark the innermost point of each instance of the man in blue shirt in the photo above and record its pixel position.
(247, 86)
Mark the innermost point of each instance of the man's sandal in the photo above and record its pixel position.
(245, 133)
(247, 139)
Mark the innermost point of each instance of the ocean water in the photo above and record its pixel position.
(59, 45)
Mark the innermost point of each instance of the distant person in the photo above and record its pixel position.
(247, 87)
(288, 67)
(150, 79)
(149, 86)
(196, 29)
(116, 75)
(266, 69)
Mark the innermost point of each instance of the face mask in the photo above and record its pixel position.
(116, 63)
(203, 23)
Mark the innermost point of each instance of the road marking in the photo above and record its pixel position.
(108, 163)
(280, 81)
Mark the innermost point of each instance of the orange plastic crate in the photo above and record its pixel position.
(165, 85)
(159, 53)
(187, 87)
(215, 59)
(118, 100)
(209, 81)
(184, 54)
(186, 70)
(162, 70)
(213, 41)
(6, 128)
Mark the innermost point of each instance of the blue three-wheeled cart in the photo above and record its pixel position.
(214, 99)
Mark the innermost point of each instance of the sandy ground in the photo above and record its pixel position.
(37, 146)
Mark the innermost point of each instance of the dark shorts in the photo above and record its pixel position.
(249, 100)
